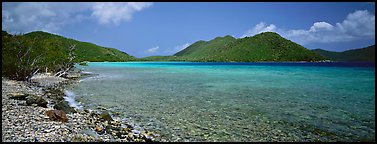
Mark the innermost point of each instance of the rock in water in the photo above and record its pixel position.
(147, 136)
(100, 130)
(57, 115)
(106, 116)
(18, 96)
(90, 132)
(64, 106)
(33, 99)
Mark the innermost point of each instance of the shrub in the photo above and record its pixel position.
(24, 56)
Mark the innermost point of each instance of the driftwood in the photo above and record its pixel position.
(63, 72)
(34, 73)
(68, 65)
(31, 74)
(28, 65)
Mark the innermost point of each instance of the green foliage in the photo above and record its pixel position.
(22, 56)
(266, 46)
(361, 54)
(25, 54)
(159, 58)
(87, 51)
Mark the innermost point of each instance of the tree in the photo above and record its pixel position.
(24, 56)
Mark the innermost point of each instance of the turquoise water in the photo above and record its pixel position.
(237, 102)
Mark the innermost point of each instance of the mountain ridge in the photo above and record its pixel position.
(358, 54)
(86, 51)
(267, 46)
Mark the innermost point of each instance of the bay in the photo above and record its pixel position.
(266, 101)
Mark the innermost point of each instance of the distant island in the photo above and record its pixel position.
(360, 54)
(267, 46)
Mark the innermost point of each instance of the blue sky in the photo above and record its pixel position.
(164, 28)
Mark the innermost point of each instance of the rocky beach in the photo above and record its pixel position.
(37, 112)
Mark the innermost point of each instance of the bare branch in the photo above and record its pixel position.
(36, 59)
(27, 52)
(35, 72)
(31, 74)
(58, 73)
(62, 72)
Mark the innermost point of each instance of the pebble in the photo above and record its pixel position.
(21, 123)
(47, 130)
(98, 128)
(136, 131)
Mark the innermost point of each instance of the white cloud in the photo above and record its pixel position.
(357, 25)
(153, 50)
(52, 16)
(31, 16)
(259, 28)
(319, 26)
(316, 36)
(116, 12)
(167, 51)
(139, 5)
(360, 23)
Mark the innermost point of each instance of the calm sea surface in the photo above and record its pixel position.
(188, 101)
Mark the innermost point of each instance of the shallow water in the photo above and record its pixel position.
(184, 101)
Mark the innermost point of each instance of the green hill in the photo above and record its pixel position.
(85, 51)
(26, 54)
(268, 46)
(361, 54)
(158, 58)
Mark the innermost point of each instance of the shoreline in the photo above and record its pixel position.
(29, 123)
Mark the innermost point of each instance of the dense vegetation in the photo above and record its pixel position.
(26, 54)
(86, 51)
(266, 46)
(22, 56)
(159, 58)
(361, 54)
